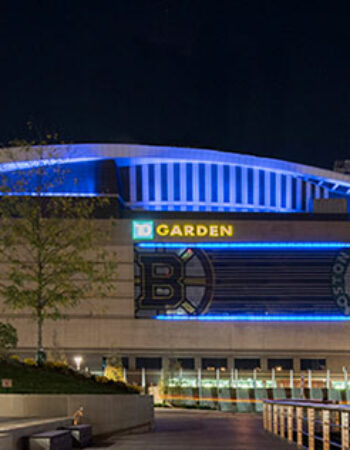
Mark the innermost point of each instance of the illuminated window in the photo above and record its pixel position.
(164, 181)
(124, 360)
(294, 193)
(214, 183)
(283, 191)
(282, 363)
(189, 188)
(312, 364)
(247, 363)
(176, 182)
(151, 182)
(261, 187)
(139, 183)
(303, 194)
(273, 189)
(226, 184)
(125, 182)
(250, 187)
(238, 184)
(183, 363)
(201, 182)
(149, 363)
(214, 363)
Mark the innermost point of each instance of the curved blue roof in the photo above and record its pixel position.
(174, 178)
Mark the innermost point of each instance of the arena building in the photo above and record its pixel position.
(224, 260)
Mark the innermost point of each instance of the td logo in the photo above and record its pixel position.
(142, 229)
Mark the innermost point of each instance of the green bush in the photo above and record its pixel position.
(8, 338)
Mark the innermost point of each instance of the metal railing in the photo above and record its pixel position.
(233, 378)
(309, 424)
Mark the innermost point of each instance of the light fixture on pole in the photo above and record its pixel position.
(78, 360)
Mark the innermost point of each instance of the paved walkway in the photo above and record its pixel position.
(204, 430)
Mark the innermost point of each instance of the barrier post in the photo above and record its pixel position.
(328, 379)
(300, 416)
(199, 383)
(344, 430)
(254, 378)
(309, 372)
(326, 429)
(275, 419)
(265, 416)
(311, 427)
(336, 421)
(290, 410)
(273, 377)
(269, 418)
(143, 380)
(281, 414)
(345, 371)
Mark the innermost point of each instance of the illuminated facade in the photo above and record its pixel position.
(182, 179)
(220, 255)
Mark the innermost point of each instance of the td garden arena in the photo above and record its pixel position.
(225, 261)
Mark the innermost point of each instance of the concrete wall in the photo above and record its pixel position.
(106, 413)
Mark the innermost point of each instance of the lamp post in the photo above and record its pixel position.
(78, 360)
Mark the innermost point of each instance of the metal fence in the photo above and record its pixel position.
(234, 378)
(309, 424)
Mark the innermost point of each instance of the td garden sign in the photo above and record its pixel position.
(151, 230)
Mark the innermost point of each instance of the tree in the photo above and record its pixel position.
(8, 338)
(56, 253)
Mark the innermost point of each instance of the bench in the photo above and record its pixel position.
(81, 434)
(51, 440)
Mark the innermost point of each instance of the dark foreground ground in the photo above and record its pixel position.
(194, 429)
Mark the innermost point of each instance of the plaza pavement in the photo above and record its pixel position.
(196, 429)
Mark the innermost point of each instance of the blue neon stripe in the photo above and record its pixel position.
(258, 318)
(246, 245)
(55, 194)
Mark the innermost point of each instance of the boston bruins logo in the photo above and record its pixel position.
(172, 282)
(341, 280)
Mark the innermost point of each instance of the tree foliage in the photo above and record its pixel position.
(8, 338)
(55, 251)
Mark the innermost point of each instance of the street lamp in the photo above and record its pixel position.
(78, 360)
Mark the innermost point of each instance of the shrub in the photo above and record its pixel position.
(49, 365)
(113, 373)
(102, 379)
(60, 366)
(29, 361)
(8, 338)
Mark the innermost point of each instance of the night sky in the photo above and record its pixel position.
(270, 78)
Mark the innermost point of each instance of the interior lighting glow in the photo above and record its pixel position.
(259, 318)
(246, 245)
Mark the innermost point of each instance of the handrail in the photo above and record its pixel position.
(306, 422)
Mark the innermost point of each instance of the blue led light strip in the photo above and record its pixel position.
(259, 318)
(246, 245)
